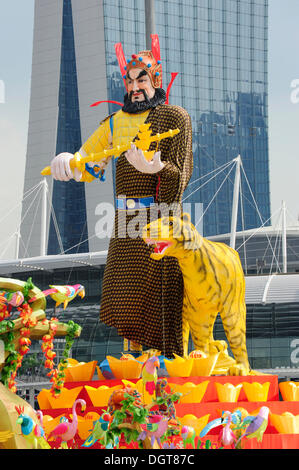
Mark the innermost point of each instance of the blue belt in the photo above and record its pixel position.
(133, 203)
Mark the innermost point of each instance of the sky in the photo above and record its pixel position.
(16, 37)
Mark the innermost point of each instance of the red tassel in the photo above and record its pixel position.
(106, 101)
(173, 76)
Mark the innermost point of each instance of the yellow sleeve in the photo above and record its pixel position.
(100, 140)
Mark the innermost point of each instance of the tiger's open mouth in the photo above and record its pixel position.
(160, 246)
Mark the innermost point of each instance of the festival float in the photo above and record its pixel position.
(143, 402)
(204, 399)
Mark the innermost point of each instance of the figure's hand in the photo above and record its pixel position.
(61, 170)
(137, 159)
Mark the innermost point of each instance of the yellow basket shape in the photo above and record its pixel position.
(204, 366)
(179, 367)
(66, 398)
(125, 369)
(289, 391)
(286, 423)
(256, 391)
(100, 396)
(228, 392)
(81, 372)
(191, 393)
(196, 423)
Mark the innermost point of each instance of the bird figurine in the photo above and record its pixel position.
(188, 434)
(33, 433)
(149, 374)
(63, 294)
(154, 429)
(13, 299)
(257, 425)
(226, 435)
(65, 431)
(98, 433)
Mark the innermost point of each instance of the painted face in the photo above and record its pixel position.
(138, 80)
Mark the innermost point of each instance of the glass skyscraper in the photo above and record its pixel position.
(219, 48)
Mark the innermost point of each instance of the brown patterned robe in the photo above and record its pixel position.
(142, 298)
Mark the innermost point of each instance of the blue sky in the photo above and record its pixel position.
(16, 35)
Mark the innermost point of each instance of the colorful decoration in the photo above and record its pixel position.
(177, 237)
(63, 294)
(150, 374)
(17, 338)
(257, 425)
(58, 375)
(33, 433)
(99, 431)
(65, 431)
(24, 342)
(12, 299)
(188, 434)
(154, 429)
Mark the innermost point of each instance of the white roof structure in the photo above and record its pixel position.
(51, 262)
(262, 289)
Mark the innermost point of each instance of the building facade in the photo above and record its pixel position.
(218, 48)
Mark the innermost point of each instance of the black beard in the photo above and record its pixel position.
(140, 106)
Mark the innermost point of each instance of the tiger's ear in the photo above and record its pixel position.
(186, 218)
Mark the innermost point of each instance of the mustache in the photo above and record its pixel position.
(139, 91)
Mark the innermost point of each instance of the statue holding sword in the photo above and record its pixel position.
(152, 140)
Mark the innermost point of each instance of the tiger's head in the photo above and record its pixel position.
(171, 236)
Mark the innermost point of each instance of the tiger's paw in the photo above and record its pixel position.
(238, 369)
(217, 346)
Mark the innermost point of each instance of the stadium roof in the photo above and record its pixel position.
(259, 232)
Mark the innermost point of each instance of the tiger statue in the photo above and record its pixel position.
(213, 283)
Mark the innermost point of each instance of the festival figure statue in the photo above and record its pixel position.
(141, 298)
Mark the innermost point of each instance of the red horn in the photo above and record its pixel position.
(121, 60)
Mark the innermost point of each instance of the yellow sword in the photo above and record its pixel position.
(144, 140)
